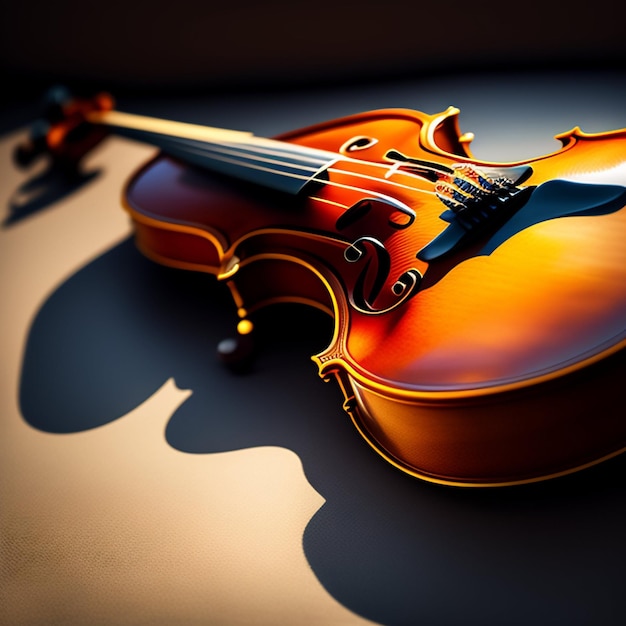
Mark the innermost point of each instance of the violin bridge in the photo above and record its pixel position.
(478, 200)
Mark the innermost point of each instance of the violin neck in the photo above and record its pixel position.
(275, 165)
(118, 120)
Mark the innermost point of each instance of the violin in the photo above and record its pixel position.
(479, 308)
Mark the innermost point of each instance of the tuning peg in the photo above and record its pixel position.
(26, 152)
(54, 103)
(52, 112)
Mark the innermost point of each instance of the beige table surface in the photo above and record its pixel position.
(96, 529)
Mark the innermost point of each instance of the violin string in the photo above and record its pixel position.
(331, 183)
(277, 148)
(388, 182)
(230, 150)
(391, 168)
(301, 151)
(223, 152)
(255, 146)
(329, 201)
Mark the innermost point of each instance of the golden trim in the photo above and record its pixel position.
(277, 256)
(179, 265)
(427, 132)
(577, 133)
(471, 484)
(383, 388)
(358, 412)
(291, 300)
(175, 227)
(230, 270)
(568, 139)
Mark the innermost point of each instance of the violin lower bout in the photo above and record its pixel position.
(503, 438)
(490, 438)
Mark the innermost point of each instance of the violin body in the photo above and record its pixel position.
(483, 355)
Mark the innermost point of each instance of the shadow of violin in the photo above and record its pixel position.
(388, 547)
(44, 190)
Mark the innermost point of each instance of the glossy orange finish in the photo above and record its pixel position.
(493, 374)
(503, 368)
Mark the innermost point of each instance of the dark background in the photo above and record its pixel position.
(202, 46)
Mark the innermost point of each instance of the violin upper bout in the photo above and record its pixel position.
(368, 133)
(441, 133)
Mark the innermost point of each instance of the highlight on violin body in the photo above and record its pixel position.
(478, 307)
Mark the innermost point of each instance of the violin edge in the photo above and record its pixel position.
(529, 440)
(491, 406)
